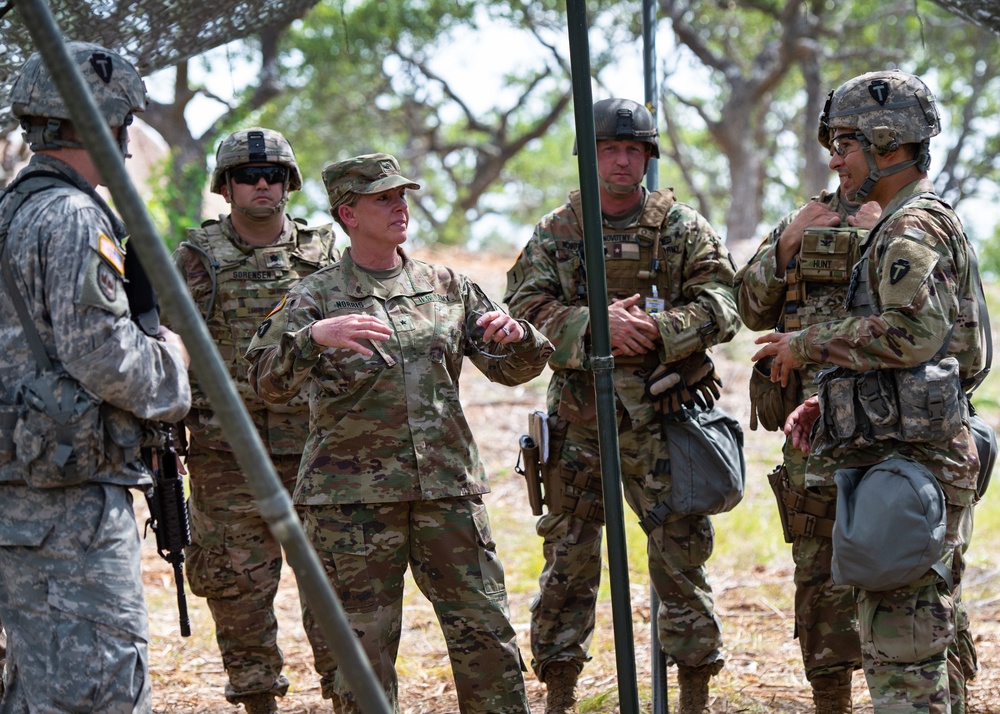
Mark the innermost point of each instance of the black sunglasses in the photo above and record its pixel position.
(251, 175)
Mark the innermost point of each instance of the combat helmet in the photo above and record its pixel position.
(624, 120)
(886, 109)
(889, 108)
(252, 146)
(118, 91)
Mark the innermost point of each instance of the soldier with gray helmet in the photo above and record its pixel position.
(913, 337)
(391, 476)
(236, 269)
(669, 279)
(80, 383)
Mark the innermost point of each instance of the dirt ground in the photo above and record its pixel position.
(763, 670)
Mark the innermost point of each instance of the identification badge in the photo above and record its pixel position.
(655, 305)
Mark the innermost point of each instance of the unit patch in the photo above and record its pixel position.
(898, 270)
(107, 281)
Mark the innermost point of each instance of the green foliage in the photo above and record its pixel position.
(171, 211)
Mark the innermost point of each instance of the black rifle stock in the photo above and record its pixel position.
(168, 515)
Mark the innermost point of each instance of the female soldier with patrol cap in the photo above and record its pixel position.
(391, 474)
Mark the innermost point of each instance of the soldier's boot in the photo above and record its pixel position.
(832, 693)
(560, 687)
(344, 706)
(693, 683)
(263, 703)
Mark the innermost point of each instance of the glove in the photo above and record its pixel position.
(770, 403)
(681, 386)
(704, 381)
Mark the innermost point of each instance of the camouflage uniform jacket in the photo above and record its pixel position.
(389, 427)
(761, 294)
(694, 277)
(920, 284)
(248, 281)
(68, 265)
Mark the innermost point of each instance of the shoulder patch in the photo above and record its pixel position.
(110, 251)
(277, 308)
(909, 264)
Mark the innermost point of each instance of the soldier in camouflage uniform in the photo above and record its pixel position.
(797, 278)
(913, 306)
(237, 268)
(669, 282)
(391, 474)
(79, 382)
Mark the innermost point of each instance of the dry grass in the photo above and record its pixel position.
(750, 572)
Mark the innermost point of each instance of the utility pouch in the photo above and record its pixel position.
(839, 411)
(59, 435)
(986, 446)
(528, 455)
(827, 255)
(8, 419)
(932, 403)
(770, 403)
(778, 479)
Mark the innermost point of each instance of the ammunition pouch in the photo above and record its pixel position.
(921, 404)
(770, 403)
(61, 436)
(827, 255)
(580, 493)
(59, 432)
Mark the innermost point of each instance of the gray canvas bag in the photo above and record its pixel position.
(708, 470)
(890, 525)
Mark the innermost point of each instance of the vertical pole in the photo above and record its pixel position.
(602, 363)
(658, 661)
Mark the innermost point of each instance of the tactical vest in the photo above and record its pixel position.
(636, 260)
(817, 283)
(925, 403)
(249, 282)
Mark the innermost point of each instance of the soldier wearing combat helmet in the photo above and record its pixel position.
(670, 297)
(914, 328)
(79, 380)
(237, 268)
(797, 278)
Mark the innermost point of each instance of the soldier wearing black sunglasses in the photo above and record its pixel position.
(237, 268)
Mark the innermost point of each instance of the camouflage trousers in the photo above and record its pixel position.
(235, 564)
(365, 549)
(915, 658)
(72, 602)
(563, 614)
(825, 616)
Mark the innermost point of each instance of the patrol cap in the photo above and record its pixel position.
(366, 174)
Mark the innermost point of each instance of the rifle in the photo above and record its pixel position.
(168, 515)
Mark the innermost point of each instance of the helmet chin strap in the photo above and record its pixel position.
(260, 214)
(617, 189)
(875, 173)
